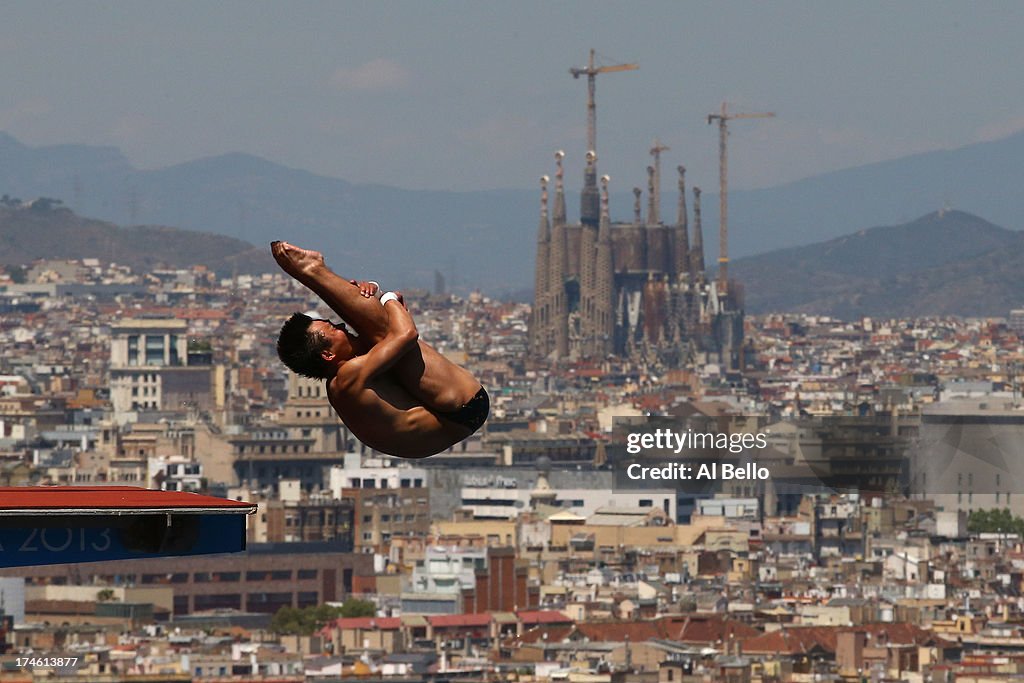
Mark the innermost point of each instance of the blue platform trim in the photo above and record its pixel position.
(72, 539)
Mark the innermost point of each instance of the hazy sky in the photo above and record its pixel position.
(476, 95)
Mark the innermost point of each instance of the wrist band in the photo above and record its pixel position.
(390, 296)
(374, 283)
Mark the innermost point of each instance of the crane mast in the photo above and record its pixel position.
(591, 71)
(723, 119)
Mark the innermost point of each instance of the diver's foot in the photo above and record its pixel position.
(295, 260)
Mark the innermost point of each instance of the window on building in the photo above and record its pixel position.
(268, 603)
(133, 349)
(154, 349)
(307, 599)
(181, 604)
(217, 601)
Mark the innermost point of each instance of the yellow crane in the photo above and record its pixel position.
(723, 118)
(591, 71)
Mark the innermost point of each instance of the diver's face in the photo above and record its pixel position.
(339, 343)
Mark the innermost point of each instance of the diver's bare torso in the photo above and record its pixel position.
(386, 417)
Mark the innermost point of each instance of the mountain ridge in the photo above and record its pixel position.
(28, 234)
(968, 267)
(485, 239)
(888, 271)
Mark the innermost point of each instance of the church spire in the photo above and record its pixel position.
(604, 294)
(697, 253)
(588, 285)
(652, 198)
(681, 261)
(558, 321)
(589, 199)
(540, 315)
(558, 212)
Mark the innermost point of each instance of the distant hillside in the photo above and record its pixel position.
(949, 263)
(477, 239)
(983, 178)
(486, 239)
(28, 234)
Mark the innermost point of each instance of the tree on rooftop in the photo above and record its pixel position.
(995, 521)
(18, 274)
(309, 620)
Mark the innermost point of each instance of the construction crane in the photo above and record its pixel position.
(591, 71)
(723, 119)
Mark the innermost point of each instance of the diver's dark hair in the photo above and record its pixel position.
(300, 349)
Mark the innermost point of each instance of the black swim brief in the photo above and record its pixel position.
(473, 412)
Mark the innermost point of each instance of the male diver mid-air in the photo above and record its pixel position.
(392, 390)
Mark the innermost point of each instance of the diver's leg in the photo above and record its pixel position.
(365, 315)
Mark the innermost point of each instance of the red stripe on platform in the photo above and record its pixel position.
(36, 498)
